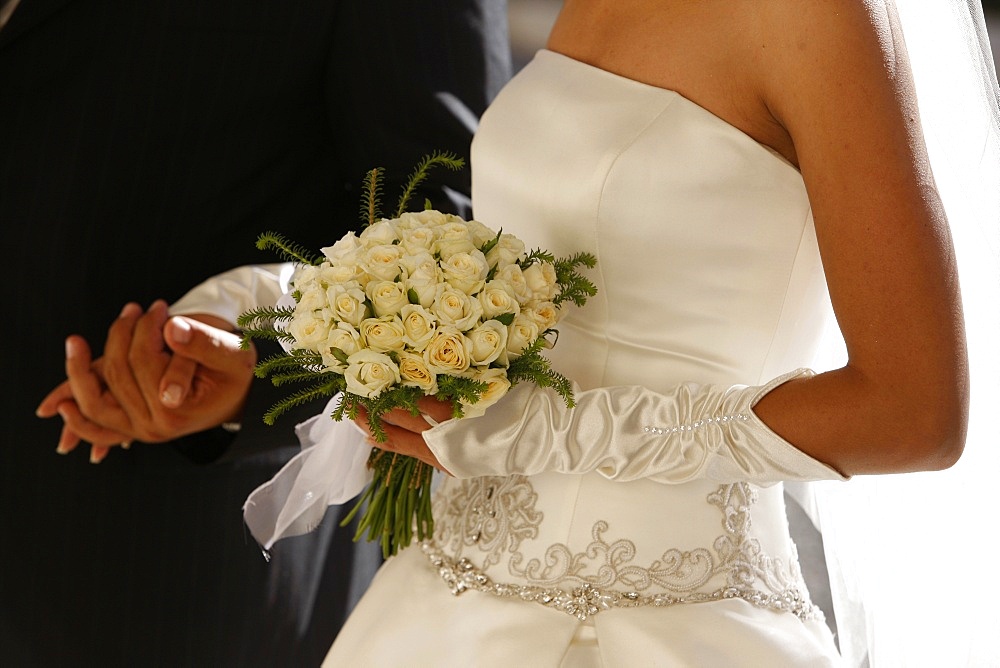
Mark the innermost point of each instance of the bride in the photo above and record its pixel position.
(721, 160)
(730, 164)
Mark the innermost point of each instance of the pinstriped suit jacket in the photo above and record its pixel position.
(143, 146)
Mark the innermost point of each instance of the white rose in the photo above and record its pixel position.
(508, 250)
(448, 352)
(480, 233)
(382, 262)
(488, 343)
(454, 237)
(343, 273)
(413, 372)
(309, 331)
(311, 300)
(387, 297)
(497, 386)
(382, 334)
(541, 280)
(513, 278)
(368, 373)
(418, 326)
(453, 307)
(497, 298)
(306, 277)
(521, 334)
(344, 338)
(421, 266)
(545, 315)
(380, 233)
(347, 302)
(466, 271)
(418, 240)
(345, 249)
(427, 218)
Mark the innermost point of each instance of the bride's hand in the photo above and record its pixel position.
(404, 431)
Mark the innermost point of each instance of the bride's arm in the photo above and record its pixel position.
(837, 79)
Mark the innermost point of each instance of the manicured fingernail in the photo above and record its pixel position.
(71, 349)
(128, 309)
(62, 449)
(171, 396)
(126, 445)
(95, 457)
(182, 330)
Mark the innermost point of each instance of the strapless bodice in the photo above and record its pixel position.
(708, 271)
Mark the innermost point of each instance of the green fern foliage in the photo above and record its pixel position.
(371, 196)
(287, 249)
(423, 168)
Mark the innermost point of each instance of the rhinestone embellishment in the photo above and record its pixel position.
(586, 600)
(724, 419)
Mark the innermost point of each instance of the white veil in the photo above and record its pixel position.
(909, 555)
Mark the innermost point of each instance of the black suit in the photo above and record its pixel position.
(143, 146)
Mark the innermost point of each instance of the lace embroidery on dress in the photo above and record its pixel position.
(495, 515)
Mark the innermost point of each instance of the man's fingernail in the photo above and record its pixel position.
(182, 330)
(171, 396)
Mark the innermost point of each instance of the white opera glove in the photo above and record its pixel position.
(628, 433)
(229, 294)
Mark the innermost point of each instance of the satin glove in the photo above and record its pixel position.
(628, 433)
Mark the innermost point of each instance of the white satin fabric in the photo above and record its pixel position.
(708, 270)
(629, 433)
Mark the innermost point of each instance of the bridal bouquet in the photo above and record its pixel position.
(423, 303)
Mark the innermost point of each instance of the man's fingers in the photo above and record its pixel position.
(175, 386)
(79, 427)
(117, 366)
(47, 408)
(147, 357)
(211, 347)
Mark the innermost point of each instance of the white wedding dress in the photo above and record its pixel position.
(708, 271)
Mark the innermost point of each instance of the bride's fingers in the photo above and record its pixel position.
(68, 440)
(437, 410)
(47, 407)
(406, 442)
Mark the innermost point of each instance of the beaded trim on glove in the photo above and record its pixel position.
(660, 431)
(586, 600)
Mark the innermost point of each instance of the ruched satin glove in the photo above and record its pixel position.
(628, 433)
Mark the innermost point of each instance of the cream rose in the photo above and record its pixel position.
(419, 326)
(541, 280)
(466, 271)
(309, 331)
(342, 274)
(497, 386)
(454, 307)
(348, 247)
(413, 372)
(521, 334)
(447, 352)
(513, 278)
(368, 373)
(380, 233)
(382, 334)
(387, 297)
(383, 262)
(545, 315)
(507, 251)
(348, 303)
(344, 338)
(480, 233)
(418, 240)
(497, 298)
(454, 237)
(488, 343)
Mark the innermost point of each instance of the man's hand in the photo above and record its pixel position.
(140, 391)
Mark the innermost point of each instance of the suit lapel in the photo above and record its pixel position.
(29, 13)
